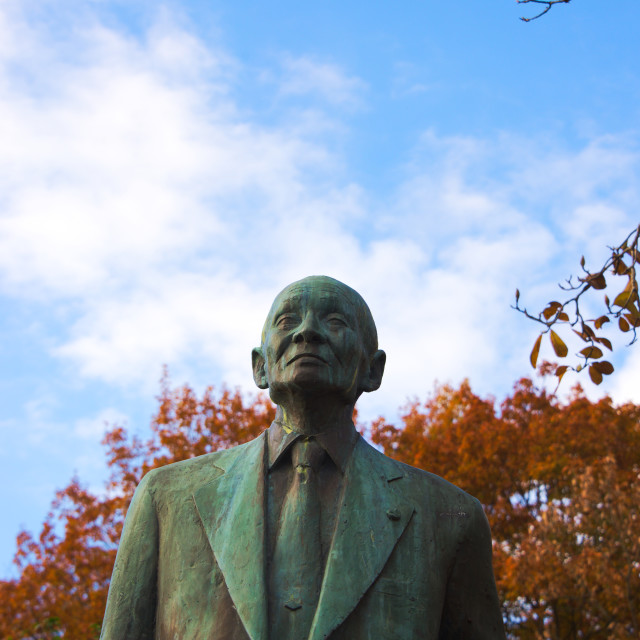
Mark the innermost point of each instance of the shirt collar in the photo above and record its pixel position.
(338, 443)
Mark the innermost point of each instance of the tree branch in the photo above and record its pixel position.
(548, 4)
(625, 308)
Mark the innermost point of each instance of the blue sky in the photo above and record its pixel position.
(166, 168)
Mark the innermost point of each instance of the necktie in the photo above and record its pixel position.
(297, 561)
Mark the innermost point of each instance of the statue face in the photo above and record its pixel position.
(313, 341)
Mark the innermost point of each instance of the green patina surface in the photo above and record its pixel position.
(410, 554)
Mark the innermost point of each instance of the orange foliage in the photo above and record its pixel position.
(65, 571)
(559, 482)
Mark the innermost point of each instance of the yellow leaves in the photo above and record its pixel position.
(623, 298)
(628, 295)
(633, 317)
(633, 309)
(621, 265)
(554, 308)
(559, 347)
(535, 351)
(591, 352)
(558, 344)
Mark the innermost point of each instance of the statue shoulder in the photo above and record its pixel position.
(186, 475)
(423, 485)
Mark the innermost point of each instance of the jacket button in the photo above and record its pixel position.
(393, 514)
(292, 604)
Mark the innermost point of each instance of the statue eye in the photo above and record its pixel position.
(286, 322)
(335, 322)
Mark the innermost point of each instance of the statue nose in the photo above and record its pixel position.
(309, 331)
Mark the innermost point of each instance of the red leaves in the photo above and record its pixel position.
(597, 281)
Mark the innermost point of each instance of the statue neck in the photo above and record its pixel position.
(314, 416)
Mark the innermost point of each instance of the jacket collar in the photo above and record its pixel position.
(337, 443)
(372, 518)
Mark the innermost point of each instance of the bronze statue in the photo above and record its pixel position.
(306, 532)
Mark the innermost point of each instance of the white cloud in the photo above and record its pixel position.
(39, 424)
(141, 197)
(94, 428)
(625, 382)
(128, 165)
(97, 171)
(149, 212)
(305, 76)
(410, 79)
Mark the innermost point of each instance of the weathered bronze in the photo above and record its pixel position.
(307, 532)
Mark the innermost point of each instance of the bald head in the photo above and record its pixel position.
(319, 340)
(310, 284)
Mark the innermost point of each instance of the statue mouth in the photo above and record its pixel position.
(315, 356)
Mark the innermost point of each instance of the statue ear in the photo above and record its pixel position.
(259, 372)
(373, 379)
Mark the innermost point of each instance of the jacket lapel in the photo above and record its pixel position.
(371, 520)
(231, 508)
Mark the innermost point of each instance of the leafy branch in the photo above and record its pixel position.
(548, 4)
(625, 309)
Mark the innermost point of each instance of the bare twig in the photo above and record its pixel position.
(548, 4)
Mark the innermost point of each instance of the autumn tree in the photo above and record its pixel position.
(559, 483)
(64, 572)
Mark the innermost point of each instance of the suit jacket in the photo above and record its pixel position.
(411, 556)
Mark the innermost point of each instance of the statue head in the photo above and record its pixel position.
(319, 338)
